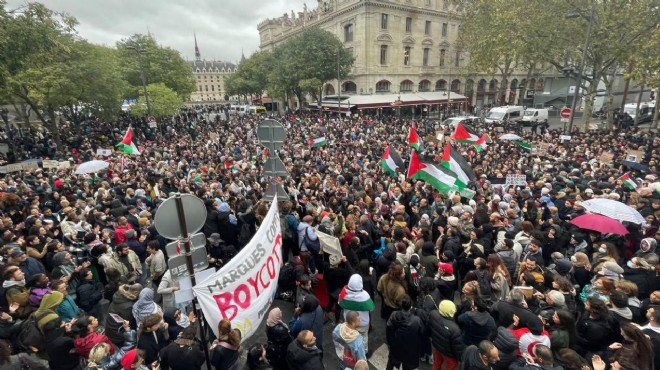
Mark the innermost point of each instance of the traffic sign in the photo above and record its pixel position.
(177, 264)
(167, 219)
(565, 113)
(176, 247)
(151, 119)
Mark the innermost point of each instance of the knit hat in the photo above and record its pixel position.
(447, 268)
(611, 270)
(128, 359)
(563, 266)
(447, 308)
(452, 221)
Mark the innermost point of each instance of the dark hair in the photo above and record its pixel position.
(405, 302)
(485, 346)
(619, 299)
(56, 283)
(641, 345)
(154, 244)
(5, 352)
(567, 322)
(480, 304)
(254, 356)
(597, 308)
(8, 271)
(79, 329)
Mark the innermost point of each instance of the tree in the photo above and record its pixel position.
(314, 54)
(163, 100)
(251, 78)
(646, 67)
(160, 64)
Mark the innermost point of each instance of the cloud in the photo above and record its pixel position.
(223, 27)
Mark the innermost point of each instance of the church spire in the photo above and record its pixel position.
(242, 55)
(198, 56)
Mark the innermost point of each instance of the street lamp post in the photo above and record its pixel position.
(4, 113)
(578, 85)
(338, 89)
(139, 50)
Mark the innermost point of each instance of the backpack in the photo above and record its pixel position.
(312, 245)
(244, 234)
(288, 236)
(30, 335)
(484, 283)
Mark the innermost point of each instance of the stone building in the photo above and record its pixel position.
(399, 46)
(210, 77)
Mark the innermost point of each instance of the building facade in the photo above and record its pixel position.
(400, 46)
(210, 77)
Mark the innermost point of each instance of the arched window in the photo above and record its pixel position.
(456, 86)
(424, 85)
(406, 85)
(469, 86)
(383, 86)
(440, 85)
(492, 86)
(481, 86)
(349, 86)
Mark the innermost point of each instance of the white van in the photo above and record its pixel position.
(631, 109)
(532, 114)
(453, 121)
(505, 113)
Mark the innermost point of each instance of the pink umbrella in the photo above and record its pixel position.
(600, 223)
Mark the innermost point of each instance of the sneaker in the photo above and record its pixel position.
(422, 359)
(430, 360)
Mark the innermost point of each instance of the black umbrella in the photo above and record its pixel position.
(637, 166)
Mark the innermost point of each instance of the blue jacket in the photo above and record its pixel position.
(310, 321)
(68, 309)
(356, 346)
(31, 266)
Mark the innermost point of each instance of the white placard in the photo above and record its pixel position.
(516, 180)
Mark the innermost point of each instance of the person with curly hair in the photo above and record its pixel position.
(392, 287)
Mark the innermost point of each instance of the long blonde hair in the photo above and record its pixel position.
(98, 353)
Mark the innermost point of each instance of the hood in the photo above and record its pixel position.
(428, 249)
(168, 315)
(85, 344)
(401, 319)
(224, 207)
(347, 334)
(51, 301)
(325, 221)
(124, 292)
(355, 283)
(652, 244)
(481, 318)
(505, 341)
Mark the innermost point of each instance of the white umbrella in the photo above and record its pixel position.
(613, 209)
(91, 167)
(510, 137)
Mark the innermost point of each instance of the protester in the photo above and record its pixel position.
(279, 339)
(224, 350)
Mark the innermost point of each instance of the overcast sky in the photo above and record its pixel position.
(223, 27)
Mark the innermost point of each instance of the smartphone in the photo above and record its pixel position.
(116, 318)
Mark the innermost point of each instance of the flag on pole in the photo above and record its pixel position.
(628, 181)
(127, 143)
(319, 141)
(481, 144)
(453, 161)
(414, 140)
(391, 161)
(439, 177)
(465, 134)
(523, 144)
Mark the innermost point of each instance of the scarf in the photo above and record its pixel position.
(11, 283)
(274, 317)
(144, 305)
(348, 334)
(183, 321)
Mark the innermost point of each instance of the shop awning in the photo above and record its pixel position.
(329, 103)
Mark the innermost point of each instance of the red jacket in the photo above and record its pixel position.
(84, 345)
(120, 232)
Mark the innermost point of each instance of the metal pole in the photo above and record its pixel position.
(576, 96)
(191, 271)
(338, 90)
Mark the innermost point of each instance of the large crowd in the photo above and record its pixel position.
(498, 280)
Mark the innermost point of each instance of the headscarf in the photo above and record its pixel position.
(274, 317)
(47, 308)
(144, 306)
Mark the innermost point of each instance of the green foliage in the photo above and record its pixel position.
(163, 100)
(252, 75)
(161, 65)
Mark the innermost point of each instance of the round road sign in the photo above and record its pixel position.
(565, 112)
(167, 219)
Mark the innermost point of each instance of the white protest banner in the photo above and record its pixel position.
(565, 137)
(29, 166)
(243, 289)
(516, 180)
(64, 165)
(105, 152)
(330, 244)
(49, 163)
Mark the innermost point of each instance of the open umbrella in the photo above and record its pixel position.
(613, 209)
(637, 166)
(600, 223)
(510, 137)
(91, 167)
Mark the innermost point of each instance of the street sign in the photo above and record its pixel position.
(151, 119)
(174, 249)
(177, 264)
(565, 114)
(167, 219)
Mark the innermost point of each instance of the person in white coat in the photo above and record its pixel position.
(166, 289)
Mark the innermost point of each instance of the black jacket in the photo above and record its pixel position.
(278, 342)
(472, 360)
(596, 335)
(228, 231)
(404, 334)
(212, 223)
(503, 311)
(641, 277)
(521, 364)
(507, 345)
(88, 295)
(122, 305)
(178, 357)
(301, 358)
(151, 345)
(60, 356)
(446, 335)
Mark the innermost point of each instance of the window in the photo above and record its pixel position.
(406, 56)
(206, 87)
(408, 25)
(383, 54)
(445, 4)
(383, 86)
(406, 85)
(212, 88)
(444, 29)
(425, 58)
(383, 21)
(348, 33)
(424, 85)
(427, 28)
(440, 85)
(349, 86)
(443, 52)
(457, 62)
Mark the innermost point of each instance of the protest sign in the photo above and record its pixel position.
(516, 180)
(105, 152)
(29, 166)
(329, 244)
(49, 163)
(606, 158)
(64, 165)
(243, 289)
(634, 156)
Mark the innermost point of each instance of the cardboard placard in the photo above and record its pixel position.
(14, 167)
(565, 137)
(49, 163)
(634, 156)
(29, 166)
(516, 180)
(64, 165)
(105, 152)
(606, 159)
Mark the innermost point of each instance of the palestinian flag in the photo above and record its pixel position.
(464, 134)
(454, 162)
(481, 144)
(354, 300)
(319, 141)
(523, 144)
(440, 177)
(294, 119)
(628, 181)
(391, 161)
(127, 143)
(414, 140)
